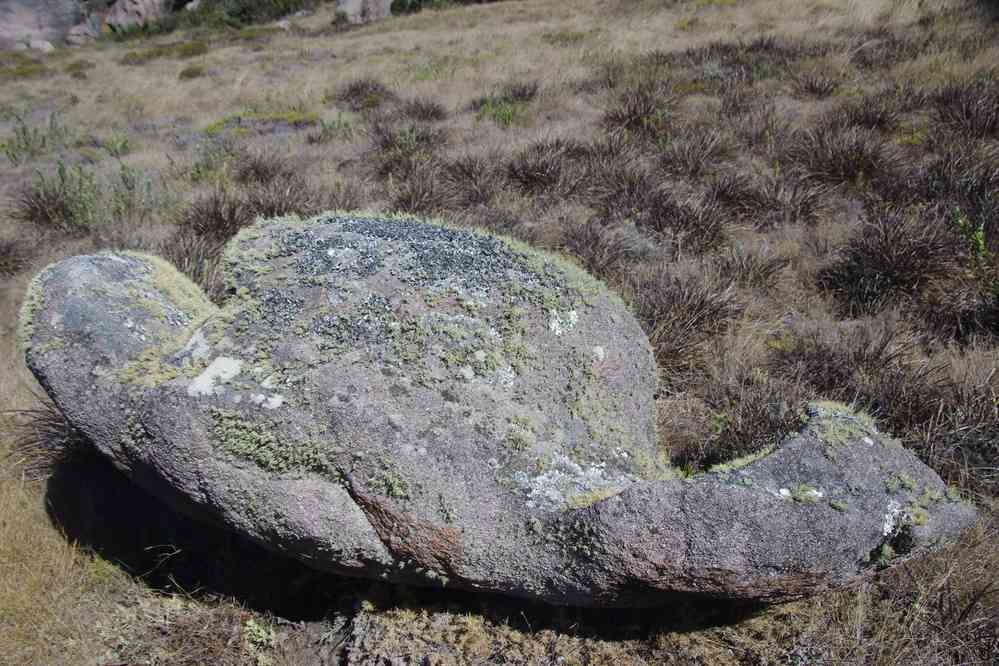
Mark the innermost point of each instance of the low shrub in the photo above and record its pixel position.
(695, 225)
(67, 202)
(364, 94)
(28, 142)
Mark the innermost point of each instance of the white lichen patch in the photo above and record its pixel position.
(890, 521)
(562, 323)
(218, 371)
(267, 402)
(197, 346)
(564, 479)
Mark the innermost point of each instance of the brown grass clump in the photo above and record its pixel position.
(14, 256)
(364, 94)
(893, 257)
(841, 155)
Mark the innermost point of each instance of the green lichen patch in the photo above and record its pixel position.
(184, 295)
(805, 494)
(148, 370)
(264, 446)
(739, 463)
(839, 505)
(899, 481)
(261, 121)
(33, 300)
(388, 482)
(837, 424)
(583, 500)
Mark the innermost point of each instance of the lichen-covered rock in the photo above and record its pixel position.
(398, 399)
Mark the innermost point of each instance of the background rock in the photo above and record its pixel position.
(364, 11)
(24, 21)
(129, 14)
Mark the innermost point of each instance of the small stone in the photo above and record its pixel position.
(41, 45)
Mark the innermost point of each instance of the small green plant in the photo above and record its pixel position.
(329, 130)
(29, 142)
(392, 485)
(983, 263)
(67, 202)
(501, 112)
(259, 638)
(116, 145)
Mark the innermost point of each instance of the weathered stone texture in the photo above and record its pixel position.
(391, 398)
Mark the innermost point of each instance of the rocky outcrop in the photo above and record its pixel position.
(26, 21)
(130, 14)
(398, 399)
(364, 11)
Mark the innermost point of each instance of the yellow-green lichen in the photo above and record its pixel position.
(591, 497)
(805, 494)
(33, 301)
(265, 448)
(739, 463)
(839, 425)
(899, 481)
(148, 370)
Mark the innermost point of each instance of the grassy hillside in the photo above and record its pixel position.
(799, 199)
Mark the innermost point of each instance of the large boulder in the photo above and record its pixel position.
(391, 398)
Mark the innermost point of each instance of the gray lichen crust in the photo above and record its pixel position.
(395, 398)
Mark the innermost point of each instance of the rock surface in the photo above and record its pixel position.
(402, 400)
(364, 11)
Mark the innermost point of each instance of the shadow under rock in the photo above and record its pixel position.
(99, 508)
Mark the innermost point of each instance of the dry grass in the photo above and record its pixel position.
(809, 211)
